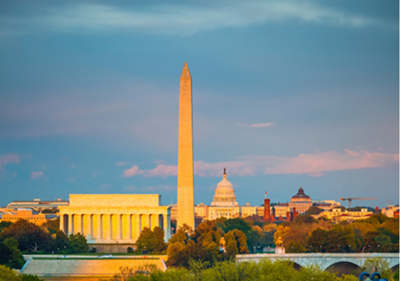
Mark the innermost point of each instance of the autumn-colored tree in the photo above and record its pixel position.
(207, 232)
(236, 242)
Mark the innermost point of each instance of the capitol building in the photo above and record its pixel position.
(224, 204)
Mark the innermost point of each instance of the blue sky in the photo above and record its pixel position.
(285, 94)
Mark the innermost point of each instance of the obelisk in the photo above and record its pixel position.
(185, 152)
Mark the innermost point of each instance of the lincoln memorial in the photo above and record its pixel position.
(113, 222)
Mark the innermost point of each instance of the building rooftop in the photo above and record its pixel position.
(301, 194)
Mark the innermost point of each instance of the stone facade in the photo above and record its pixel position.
(107, 219)
(27, 214)
(300, 201)
(185, 152)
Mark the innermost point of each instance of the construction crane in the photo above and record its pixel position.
(355, 198)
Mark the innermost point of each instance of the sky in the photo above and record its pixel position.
(285, 94)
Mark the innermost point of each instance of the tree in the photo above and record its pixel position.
(151, 241)
(16, 258)
(30, 277)
(316, 240)
(5, 253)
(381, 265)
(295, 247)
(4, 224)
(206, 233)
(30, 237)
(313, 210)
(8, 274)
(236, 223)
(52, 225)
(77, 243)
(61, 241)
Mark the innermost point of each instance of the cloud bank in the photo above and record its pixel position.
(309, 164)
(177, 18)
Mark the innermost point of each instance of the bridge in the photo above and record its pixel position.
(323, 260)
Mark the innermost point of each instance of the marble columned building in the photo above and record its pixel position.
(113, 222)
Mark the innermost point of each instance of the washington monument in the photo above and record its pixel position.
(185, 152)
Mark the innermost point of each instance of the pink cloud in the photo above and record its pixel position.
(319, 163)
(162, 170)
(132, 172)
(9, 158)
(310, 164)
(36, 175)
(261, 125)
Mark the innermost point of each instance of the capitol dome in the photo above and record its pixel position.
(224, 194)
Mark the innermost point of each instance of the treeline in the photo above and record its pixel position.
(305, 234)
(24, 237)
(249, 271)
(378, 233)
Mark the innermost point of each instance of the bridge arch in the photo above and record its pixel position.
(394, 268)
(343, 267)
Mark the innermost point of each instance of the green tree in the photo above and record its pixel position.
(236, 223)
(60, 242)
(8, 274)
(151, 241)
(381, 265)
(30, 237)
(77, 243)
(30, 277)
(4, 224)
(16, 258)
(5, 253)
(316, 240)
(313, 210)
(295, 247)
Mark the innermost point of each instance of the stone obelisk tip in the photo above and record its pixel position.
(185, 71)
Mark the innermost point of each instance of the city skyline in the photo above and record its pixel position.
(285, 95)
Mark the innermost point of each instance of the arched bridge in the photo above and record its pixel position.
(323, 260)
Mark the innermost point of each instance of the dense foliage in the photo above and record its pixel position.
(151, 241)
(229, 270)
(11, 275)
(375, 234)
(23, 236)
